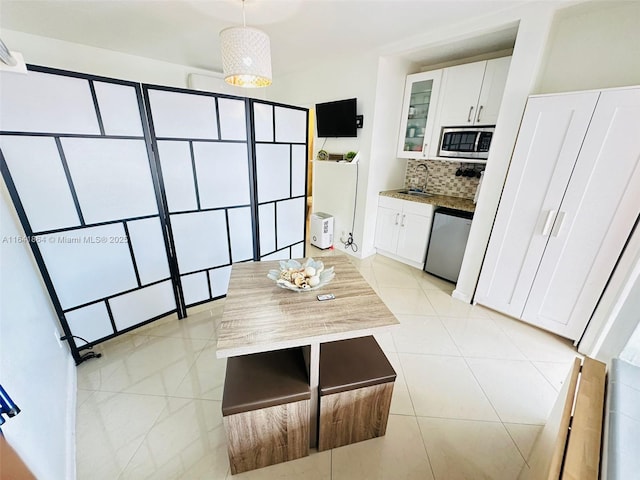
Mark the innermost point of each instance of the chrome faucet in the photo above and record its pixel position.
(426, 178)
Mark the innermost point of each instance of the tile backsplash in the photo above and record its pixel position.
(442, 178)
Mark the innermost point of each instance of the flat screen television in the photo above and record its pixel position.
(336, 119)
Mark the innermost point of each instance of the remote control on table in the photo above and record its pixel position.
(326, 296)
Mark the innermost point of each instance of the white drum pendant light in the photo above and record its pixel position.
(246, 56)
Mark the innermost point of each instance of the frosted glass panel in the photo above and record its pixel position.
(297, 250)
(272, 166)
(267, 222)
(195, 287)
(177, 175)
(291, 125)
(233, 121)
(183, 115)
(290, 221)
(263, 122)
(141, 305)
(88, 264)
(36, 169)
(119, 109)
(219, 281)
(200, 240)
(91, 323)
(223, 174)
(112, 178)
(149, 249)
(298, 170)
(284, 254)
(46, 103)
(241, 232)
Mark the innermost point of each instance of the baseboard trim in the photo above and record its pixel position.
(458, 295)
(72, 401)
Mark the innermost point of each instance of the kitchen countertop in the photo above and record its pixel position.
(456, 203)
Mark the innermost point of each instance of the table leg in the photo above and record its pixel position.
(314, 378)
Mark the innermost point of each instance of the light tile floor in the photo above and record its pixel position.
(473, 391)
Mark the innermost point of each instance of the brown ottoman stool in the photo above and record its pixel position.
(356, 384)
(265, 406)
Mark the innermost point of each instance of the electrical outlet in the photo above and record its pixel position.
(57, 335)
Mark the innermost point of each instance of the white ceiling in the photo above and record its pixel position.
(186, 32)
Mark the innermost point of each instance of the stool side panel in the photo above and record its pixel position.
(355, 415)
(264, 437)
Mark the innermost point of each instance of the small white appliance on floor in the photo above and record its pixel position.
(321, 230)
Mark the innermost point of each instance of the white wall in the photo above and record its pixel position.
(387, 172)
(631, 309)
(526, 61)
(338, 79)
(49, 52)
(38, 373)
(597, 45)
(618, 312)
(592, 46)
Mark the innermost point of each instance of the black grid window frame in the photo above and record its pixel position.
(278, 248)
(147, 88)
(148, 136)
(77, 350)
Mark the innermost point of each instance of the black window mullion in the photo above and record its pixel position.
(195, 174)
(96, 106)
(67, 174)
(133, 257)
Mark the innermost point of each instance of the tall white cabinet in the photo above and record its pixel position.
(569, 204)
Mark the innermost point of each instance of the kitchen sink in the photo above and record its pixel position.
(416, 193)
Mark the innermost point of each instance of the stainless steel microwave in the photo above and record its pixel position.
(466, 142)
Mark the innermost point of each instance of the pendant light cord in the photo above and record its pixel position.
(244, 19)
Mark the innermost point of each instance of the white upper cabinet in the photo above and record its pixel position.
(471, 93)
(495, 78)
(567, 209)
(416, 127)
(461, 86)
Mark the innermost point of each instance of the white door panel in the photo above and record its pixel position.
(461, 86)
(413, 236)
(599, 210)
(387, 229)
(495, 78)
(548, 143)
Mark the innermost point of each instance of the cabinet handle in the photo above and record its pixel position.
(397, 216)
(470, 112)
(548, 223)
(402, 224)
(557, 226)
(479, 112)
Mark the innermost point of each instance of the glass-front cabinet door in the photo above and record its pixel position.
(416, 128)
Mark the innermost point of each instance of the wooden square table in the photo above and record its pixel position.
(260, 316)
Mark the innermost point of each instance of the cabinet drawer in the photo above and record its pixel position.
(406, 206)
(418, 208)
(389, 202)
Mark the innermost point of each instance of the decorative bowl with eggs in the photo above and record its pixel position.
(301, 277)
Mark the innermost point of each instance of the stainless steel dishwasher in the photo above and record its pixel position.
(449, 234)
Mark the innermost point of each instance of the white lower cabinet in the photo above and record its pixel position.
(568, 207)
(402, 230)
